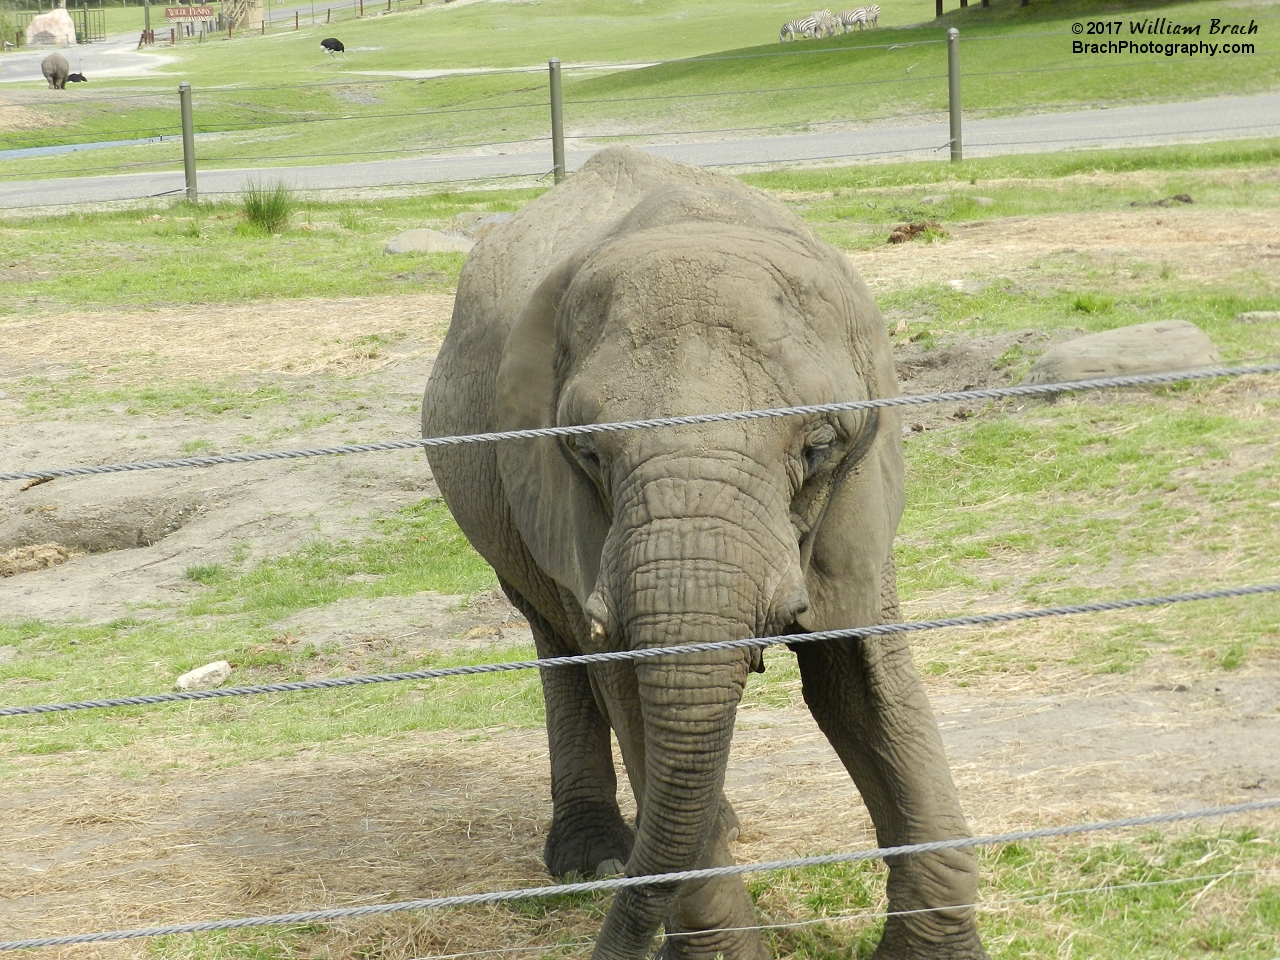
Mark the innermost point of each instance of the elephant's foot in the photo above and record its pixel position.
(588, 839)
(922, 886)
(713, 918)
(713, 945)
(900, 942)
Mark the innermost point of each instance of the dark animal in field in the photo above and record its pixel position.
(56, 70)
(77, 78)
(334, 45)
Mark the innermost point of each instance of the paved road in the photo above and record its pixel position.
(116, 56)
(1223, 118)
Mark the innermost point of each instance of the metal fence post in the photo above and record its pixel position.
(188, 140)
(557, 120)
(953, 76)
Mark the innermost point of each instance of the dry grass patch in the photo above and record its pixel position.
(1208, 245)
(202, 342)
(38, 556)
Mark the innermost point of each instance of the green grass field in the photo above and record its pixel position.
(279, 100)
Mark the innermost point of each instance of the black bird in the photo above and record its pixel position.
(334, 46)
(77, 78)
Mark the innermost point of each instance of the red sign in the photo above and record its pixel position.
(189, 13)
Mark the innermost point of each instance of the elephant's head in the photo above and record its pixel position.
(701, 300)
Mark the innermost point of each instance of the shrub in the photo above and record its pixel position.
(268, 208)
(1092, 303)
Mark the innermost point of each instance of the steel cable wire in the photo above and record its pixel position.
(622, 883)
(160, 132)
(206, 192)
(871, 914)
(910, 400)
(132, 165)
(875, 630)
(903, 151)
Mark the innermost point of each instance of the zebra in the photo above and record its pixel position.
(826, 22)
(805, 27)
(849, 19)
(873, 14)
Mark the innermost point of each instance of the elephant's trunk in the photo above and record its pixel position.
(688, 561)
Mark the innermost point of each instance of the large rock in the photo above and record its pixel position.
(54, 27)
(428, 241)
(1143, 348)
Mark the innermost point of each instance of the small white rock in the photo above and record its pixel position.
(982, 201)
(203, 678)
(1253, 316)
(935, 198)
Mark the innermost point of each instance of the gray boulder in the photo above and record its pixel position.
(428, 241)
(475, 224)
(1259, 316)
(1142, 348)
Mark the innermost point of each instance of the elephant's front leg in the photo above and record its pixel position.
(868, 700)
(676, 735)
(714, 918)
(588, 835)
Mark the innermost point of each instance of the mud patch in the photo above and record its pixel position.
(929, 365)
(906, 232)
(124, 525)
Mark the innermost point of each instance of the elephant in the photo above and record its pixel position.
(55, 69)
(642, 288)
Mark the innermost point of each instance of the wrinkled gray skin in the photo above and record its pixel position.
(642, 288)
(55, 69)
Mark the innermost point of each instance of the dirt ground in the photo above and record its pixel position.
(86, 849)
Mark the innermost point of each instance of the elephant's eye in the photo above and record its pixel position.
(817, 448)
(814, 454)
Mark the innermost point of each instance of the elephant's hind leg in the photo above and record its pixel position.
(588, 835)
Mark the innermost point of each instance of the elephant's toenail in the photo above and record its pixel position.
(610, 868)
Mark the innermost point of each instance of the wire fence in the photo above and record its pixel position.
(649, 653)
(845, 406)
(687, 649)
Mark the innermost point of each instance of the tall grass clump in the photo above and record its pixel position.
(268, 208)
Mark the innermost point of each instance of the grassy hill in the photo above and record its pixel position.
(279, 99)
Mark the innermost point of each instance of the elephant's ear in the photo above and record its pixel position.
(846, 557)
(556, 508)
